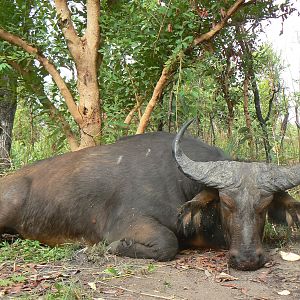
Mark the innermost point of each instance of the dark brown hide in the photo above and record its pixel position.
(127, 194)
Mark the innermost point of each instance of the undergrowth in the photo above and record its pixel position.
(34, 252)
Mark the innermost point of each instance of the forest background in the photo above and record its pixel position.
(75, 74)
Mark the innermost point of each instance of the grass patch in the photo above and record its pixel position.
(277, 235)
(59, 290)
(68, 291)
(96, 252)
(127, 270)
(34, 252)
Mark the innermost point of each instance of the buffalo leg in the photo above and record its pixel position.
(147, 240)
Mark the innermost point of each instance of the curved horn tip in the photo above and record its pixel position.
(184, 127)
(175, 145)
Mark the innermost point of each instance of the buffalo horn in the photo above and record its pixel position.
(226, 174)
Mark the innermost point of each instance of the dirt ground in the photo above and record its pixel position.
(192, 275)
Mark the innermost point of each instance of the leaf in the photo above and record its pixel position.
(284, 293)
(92, 285)
(151, 268)
(5, 282)
(112, 271)
(207, 273)
(289, 256)
(225, 277)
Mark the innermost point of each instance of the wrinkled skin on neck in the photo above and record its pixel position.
(243, 214)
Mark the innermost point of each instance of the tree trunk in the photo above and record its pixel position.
(165, 75)
(249, 70)
(8, 105)
(283, 129)
(89, 104)
(298, 130)
(230, 117)
(213, 134)
(260, 118)
(247, 115)
(84, 50)
(224, 81)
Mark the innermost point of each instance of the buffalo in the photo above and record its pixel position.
(238, 195)
(132, 195)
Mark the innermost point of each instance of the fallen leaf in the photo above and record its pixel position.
(225, 277)
(270, 264)
(284, 293)
(110, 291)
(289, 256)
(207, 273)
(262, 277)
(273, 251)
(92, 285)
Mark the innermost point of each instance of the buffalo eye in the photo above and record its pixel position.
(227, 202)
(263, 204)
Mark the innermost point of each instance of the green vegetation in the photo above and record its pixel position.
(232, 83)
(67, 291)
(32, 251)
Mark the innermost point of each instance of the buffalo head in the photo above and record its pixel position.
(246, 191)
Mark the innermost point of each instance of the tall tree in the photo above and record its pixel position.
(84, 50)
(8, 105)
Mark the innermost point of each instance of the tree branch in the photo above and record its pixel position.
(54, 113)
(68, 29)
(92, 28)
(168, 71)
(217, 28)
(155, 97)
(132, 112)
(275, 91)
(15, 40)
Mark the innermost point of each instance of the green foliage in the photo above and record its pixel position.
(35, 136)
(278, 235)
(13, 279)
(33, 251)
(128, 270)
(139, 38)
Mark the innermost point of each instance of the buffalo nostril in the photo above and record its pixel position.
(262, 259)
(234, 259)
(260, 256)
(246, 260)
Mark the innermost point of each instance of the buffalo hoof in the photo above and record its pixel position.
(117, 247)
(158, 250)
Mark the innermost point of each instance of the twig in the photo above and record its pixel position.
(140, 293)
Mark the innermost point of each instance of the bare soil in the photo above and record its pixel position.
(192, 275)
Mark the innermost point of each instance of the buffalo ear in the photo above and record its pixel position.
(284, 210)
(193, 215)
